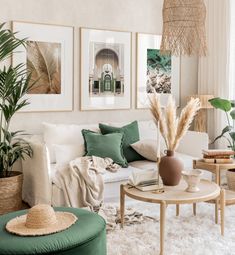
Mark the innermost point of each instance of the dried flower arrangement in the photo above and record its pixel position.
(171, 127)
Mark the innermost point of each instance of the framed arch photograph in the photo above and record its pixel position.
(105, 69)
(155, 71)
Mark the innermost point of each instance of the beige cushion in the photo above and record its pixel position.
(146, 148)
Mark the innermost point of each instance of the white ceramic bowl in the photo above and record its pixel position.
(192, 178)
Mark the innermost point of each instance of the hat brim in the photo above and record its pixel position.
(64, 221)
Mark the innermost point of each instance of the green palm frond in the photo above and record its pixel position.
(8, 42)
(15, 83)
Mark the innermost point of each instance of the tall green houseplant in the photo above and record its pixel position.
(14, 84)
(228, 107)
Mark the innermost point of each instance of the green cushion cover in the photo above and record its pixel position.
(86, 237)
(131, 135)
(105, 146)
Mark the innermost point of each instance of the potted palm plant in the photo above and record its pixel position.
(14, 84)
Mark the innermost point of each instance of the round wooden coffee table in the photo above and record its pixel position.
(174, 195)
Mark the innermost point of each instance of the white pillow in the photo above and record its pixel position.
(67, 152)
(64, 134)
(146, 148)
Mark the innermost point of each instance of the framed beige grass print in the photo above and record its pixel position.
(155, 71)
(48, 56)
(105, 69)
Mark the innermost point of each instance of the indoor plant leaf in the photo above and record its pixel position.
(232, 135)
(224, 131)
(222, 104)
(232, 114)
(233, 103)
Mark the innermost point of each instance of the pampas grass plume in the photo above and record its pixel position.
(172, 128)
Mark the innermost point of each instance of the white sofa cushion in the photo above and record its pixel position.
(143, 164)
(121, 175)
(66, 152)
(64, 134)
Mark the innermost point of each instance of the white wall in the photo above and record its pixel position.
(129, 15)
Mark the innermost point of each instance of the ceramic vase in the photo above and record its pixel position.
(170, 169)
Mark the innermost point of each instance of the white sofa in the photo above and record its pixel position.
(39, 187)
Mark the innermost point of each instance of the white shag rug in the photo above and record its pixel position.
(184, 235)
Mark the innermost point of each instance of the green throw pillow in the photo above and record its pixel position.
(103, 146)
(131, 135)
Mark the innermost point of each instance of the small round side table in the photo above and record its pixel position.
(174, 195)
(216, 169)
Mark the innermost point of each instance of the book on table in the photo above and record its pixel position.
(145, 180)
(218, 156)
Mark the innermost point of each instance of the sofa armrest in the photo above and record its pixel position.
(36, 184)
(193, 143)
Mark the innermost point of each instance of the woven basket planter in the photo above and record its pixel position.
(231, 179)
(11, 193)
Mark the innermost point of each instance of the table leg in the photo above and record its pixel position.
(122, 205)
(177, 210)
(216, 210)
(162, 225)
(222, 208)
(194, 209)
(217, 176)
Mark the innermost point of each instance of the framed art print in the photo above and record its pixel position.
(155, 71)
(105, 69)
(48, 56)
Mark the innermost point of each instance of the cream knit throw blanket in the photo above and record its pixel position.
(82, 182)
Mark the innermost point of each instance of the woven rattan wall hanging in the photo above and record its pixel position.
(184, 30)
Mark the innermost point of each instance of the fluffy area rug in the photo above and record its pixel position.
(184, 235)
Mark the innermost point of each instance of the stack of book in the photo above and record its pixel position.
(218, 156)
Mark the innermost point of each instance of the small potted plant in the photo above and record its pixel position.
(14, 84)
(228, 132)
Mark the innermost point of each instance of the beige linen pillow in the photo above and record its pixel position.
(146, 148)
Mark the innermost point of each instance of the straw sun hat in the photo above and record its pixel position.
(40, 220)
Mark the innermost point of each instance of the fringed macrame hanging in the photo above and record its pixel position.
(184, 30)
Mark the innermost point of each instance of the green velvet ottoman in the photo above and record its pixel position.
(86, 237)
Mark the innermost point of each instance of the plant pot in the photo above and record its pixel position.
(231, 179)
(11, 192)
(170, 169)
